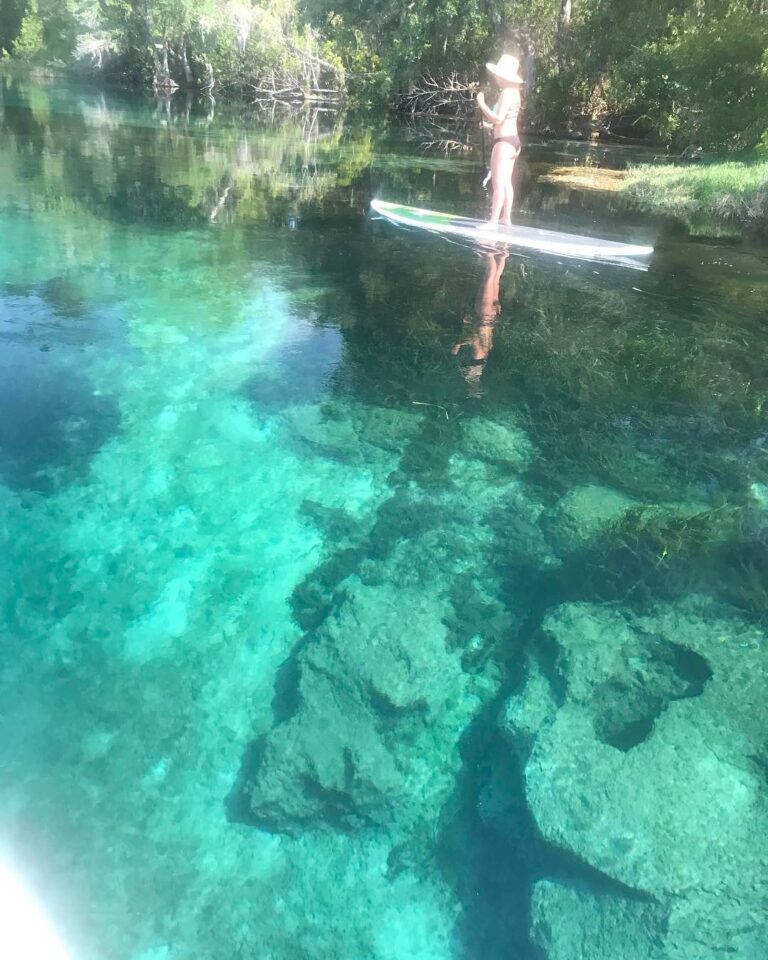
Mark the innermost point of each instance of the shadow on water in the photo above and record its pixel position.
(53, 422)
(491, 853)
(300, 373)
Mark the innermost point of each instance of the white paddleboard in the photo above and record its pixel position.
(532, 238)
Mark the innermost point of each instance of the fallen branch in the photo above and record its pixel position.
(305, 54)
(451, 95)
(446, 146)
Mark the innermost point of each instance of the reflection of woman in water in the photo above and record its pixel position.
(479, 328)
(506, 145)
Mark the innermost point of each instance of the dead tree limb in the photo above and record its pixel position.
(438, 96)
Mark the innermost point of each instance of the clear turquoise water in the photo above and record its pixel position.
(320, 641)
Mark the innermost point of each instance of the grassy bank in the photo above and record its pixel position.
(725, 191)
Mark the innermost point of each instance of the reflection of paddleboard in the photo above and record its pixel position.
(545, 241)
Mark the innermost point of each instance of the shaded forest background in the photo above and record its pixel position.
(682, 71)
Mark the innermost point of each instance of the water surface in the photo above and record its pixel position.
(345, 613)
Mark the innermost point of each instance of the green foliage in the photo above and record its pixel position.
(393, 44)
(172, 41)
(705, 81)
(660, 549)
(11, 16)
(687, 73)
(29, 42)
(46, 31)
(725, 190)
(719, 66)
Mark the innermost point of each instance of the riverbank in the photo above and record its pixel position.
(726, 191)
(723, 192)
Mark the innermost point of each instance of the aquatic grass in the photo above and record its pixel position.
(728, 190)
(617, 397)
(720, 551)
(621, 395)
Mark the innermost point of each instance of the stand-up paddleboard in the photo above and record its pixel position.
(532, 238)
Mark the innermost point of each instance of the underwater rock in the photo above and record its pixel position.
(520, 539)
(588, 512)
(350, 430)
(65, 295)
(317, 426)
(759, 494)
(649, 469)
(643, 760)
(572, 924)
(386, 427)
(530, 711)
(495, 442)
(584, 513)
(336, 524)
(377, 708)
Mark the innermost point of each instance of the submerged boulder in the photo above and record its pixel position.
(570, 923)
(584, 513)
(372, 711)
(644, 756)
(495, 442)
(590, 512)
(352, 431)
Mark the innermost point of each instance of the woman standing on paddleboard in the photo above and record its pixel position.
(506, 147)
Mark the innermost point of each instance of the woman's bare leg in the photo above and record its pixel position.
(502, 164)
(498, 167)
(509, 196)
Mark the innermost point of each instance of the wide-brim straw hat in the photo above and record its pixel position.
(508, 69)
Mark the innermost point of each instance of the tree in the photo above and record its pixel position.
(11, 16)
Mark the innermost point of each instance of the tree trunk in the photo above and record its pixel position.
(188, 77)
(210, 79)
(563, 31)
(162, 72)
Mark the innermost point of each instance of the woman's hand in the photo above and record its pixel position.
(481, 99)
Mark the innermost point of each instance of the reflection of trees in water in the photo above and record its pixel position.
(187, 166)
(437, 134)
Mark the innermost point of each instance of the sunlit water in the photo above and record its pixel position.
(345, 615)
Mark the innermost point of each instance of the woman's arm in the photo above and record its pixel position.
(504, 103)
(489, 115)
